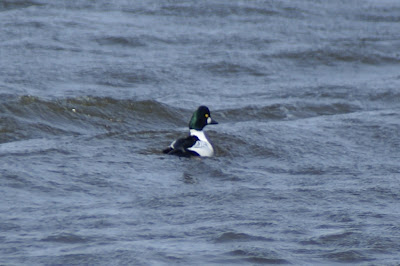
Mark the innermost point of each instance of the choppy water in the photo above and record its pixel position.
(306, 170)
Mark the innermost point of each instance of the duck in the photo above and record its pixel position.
(197, 143)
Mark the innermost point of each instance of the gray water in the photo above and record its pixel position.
(307, 95)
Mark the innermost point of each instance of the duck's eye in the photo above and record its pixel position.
(206, 115)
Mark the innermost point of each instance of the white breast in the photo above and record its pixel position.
(203, 147)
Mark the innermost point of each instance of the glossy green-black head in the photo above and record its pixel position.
(201, 118)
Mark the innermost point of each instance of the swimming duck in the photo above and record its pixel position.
(196, 144)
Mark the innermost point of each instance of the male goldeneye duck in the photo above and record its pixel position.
(196, 144)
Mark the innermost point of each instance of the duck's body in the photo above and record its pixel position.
(196, 144)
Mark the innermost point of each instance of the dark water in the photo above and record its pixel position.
(307, 164)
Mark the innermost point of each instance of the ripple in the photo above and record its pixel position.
(17, 4)
(121, 40)
(348, 256)
(66, 238)
(258, 256)
(234, 237)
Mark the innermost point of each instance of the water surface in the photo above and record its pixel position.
(307, 149)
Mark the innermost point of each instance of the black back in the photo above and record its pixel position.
(180, 147)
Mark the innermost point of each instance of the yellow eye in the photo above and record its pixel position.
(206, 115)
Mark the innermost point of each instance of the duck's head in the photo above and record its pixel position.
(201, 118)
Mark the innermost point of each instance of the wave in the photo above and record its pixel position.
(385, 13)
(16, 4)
(25, 117)
(362, 51)
(210, 10)
(229, 69)
(149, 124)
(290, 110)
(32, 117)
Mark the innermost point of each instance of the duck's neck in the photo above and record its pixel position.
(198, 133)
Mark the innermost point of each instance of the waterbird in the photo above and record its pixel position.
(197, 143)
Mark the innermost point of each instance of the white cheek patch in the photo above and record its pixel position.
(209, 120)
